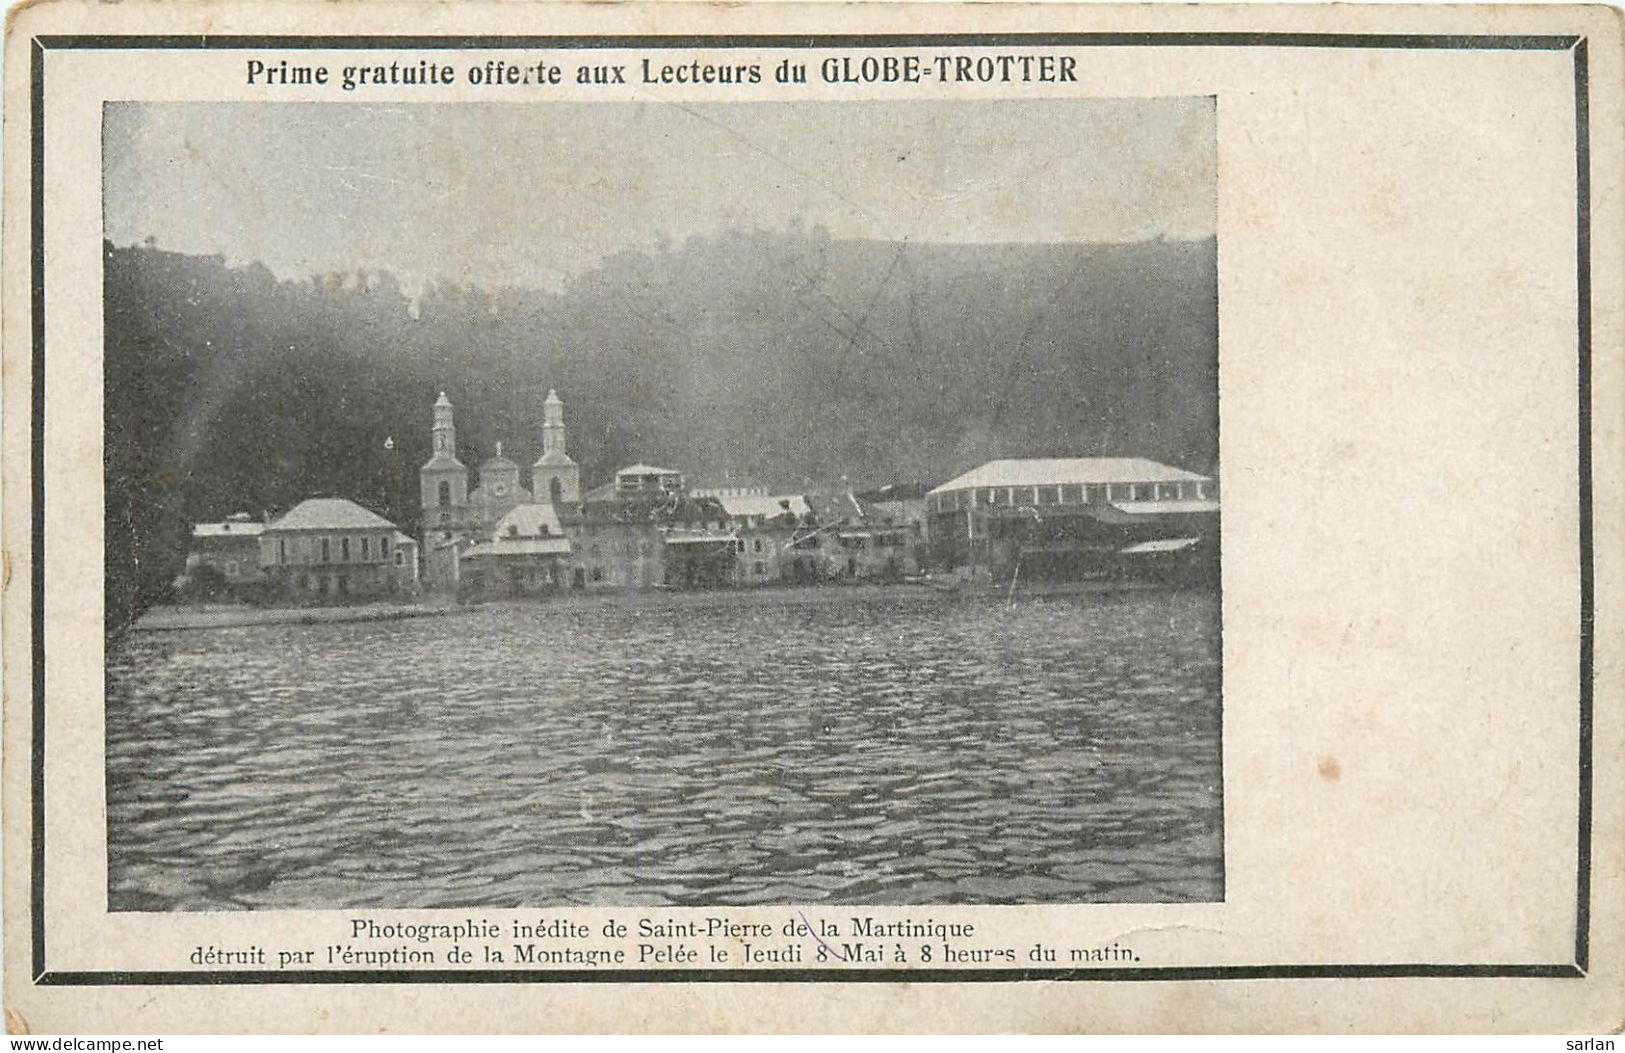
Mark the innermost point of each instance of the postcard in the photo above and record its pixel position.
(814, 517)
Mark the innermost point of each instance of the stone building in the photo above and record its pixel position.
(228, 552)
(526, 555)
(329, 549)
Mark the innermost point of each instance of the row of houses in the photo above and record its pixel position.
(647, 529)
(493, 535)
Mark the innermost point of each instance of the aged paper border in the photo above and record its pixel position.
(1595, 91)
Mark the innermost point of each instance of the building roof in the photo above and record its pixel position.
(402, 539)
(1161, 508)
(1167, 544)
(531, 519)
(647, 469)
(553, 397)
(520, 546)
(442, 400)
(1056, 471)
(442, 460)
(330, 513)
(694, 537)
(766, 507)
(497, 461)
(554, 459)
(233, 526)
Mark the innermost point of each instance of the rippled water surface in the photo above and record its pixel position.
(857, 747)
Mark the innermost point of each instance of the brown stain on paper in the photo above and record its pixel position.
(1329, 769)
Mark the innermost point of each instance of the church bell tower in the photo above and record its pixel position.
(444, 479)
(555, 478)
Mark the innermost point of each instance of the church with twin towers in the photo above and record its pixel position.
(455, 516)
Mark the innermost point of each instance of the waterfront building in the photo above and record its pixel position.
(225, 556)
(526, 555)
(1067, 517)
(899, 504)
(614, 553)
(766, 526)
(703, 556)
(875, 551)
(329, 549)
(758, 511)
(644, 480)
(645, 531)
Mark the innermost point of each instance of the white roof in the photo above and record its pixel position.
(1058, 471)
(229, 528)
(530, 519)
(763, 505)
(1158, 508)
(402, 539)
(520, 546)
(679, 537)
(647, 469)
(1171, 544)
(330, 513)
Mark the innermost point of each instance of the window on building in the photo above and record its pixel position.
(1167, 491)
(1204, 490)
(304, 581)
(759, 568)
(1094, 494)
(758, 545)
(281, 551)
(592, 550)
(327, 551)
(513, 530)
(555, 490)
(231, 568)
(1144, 492)
(383, 546)
(598, 574)
(400, 558)
(445, 494)
(344, 549)
(366, 549)
(1050, 495)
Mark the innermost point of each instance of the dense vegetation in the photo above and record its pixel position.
(784, 357)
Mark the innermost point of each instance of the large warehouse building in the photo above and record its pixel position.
(1075, 517)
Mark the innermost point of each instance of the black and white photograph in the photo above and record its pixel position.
(656, 503)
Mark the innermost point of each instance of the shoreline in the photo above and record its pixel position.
(177, 619)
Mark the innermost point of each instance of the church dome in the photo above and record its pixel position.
(498, 463)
